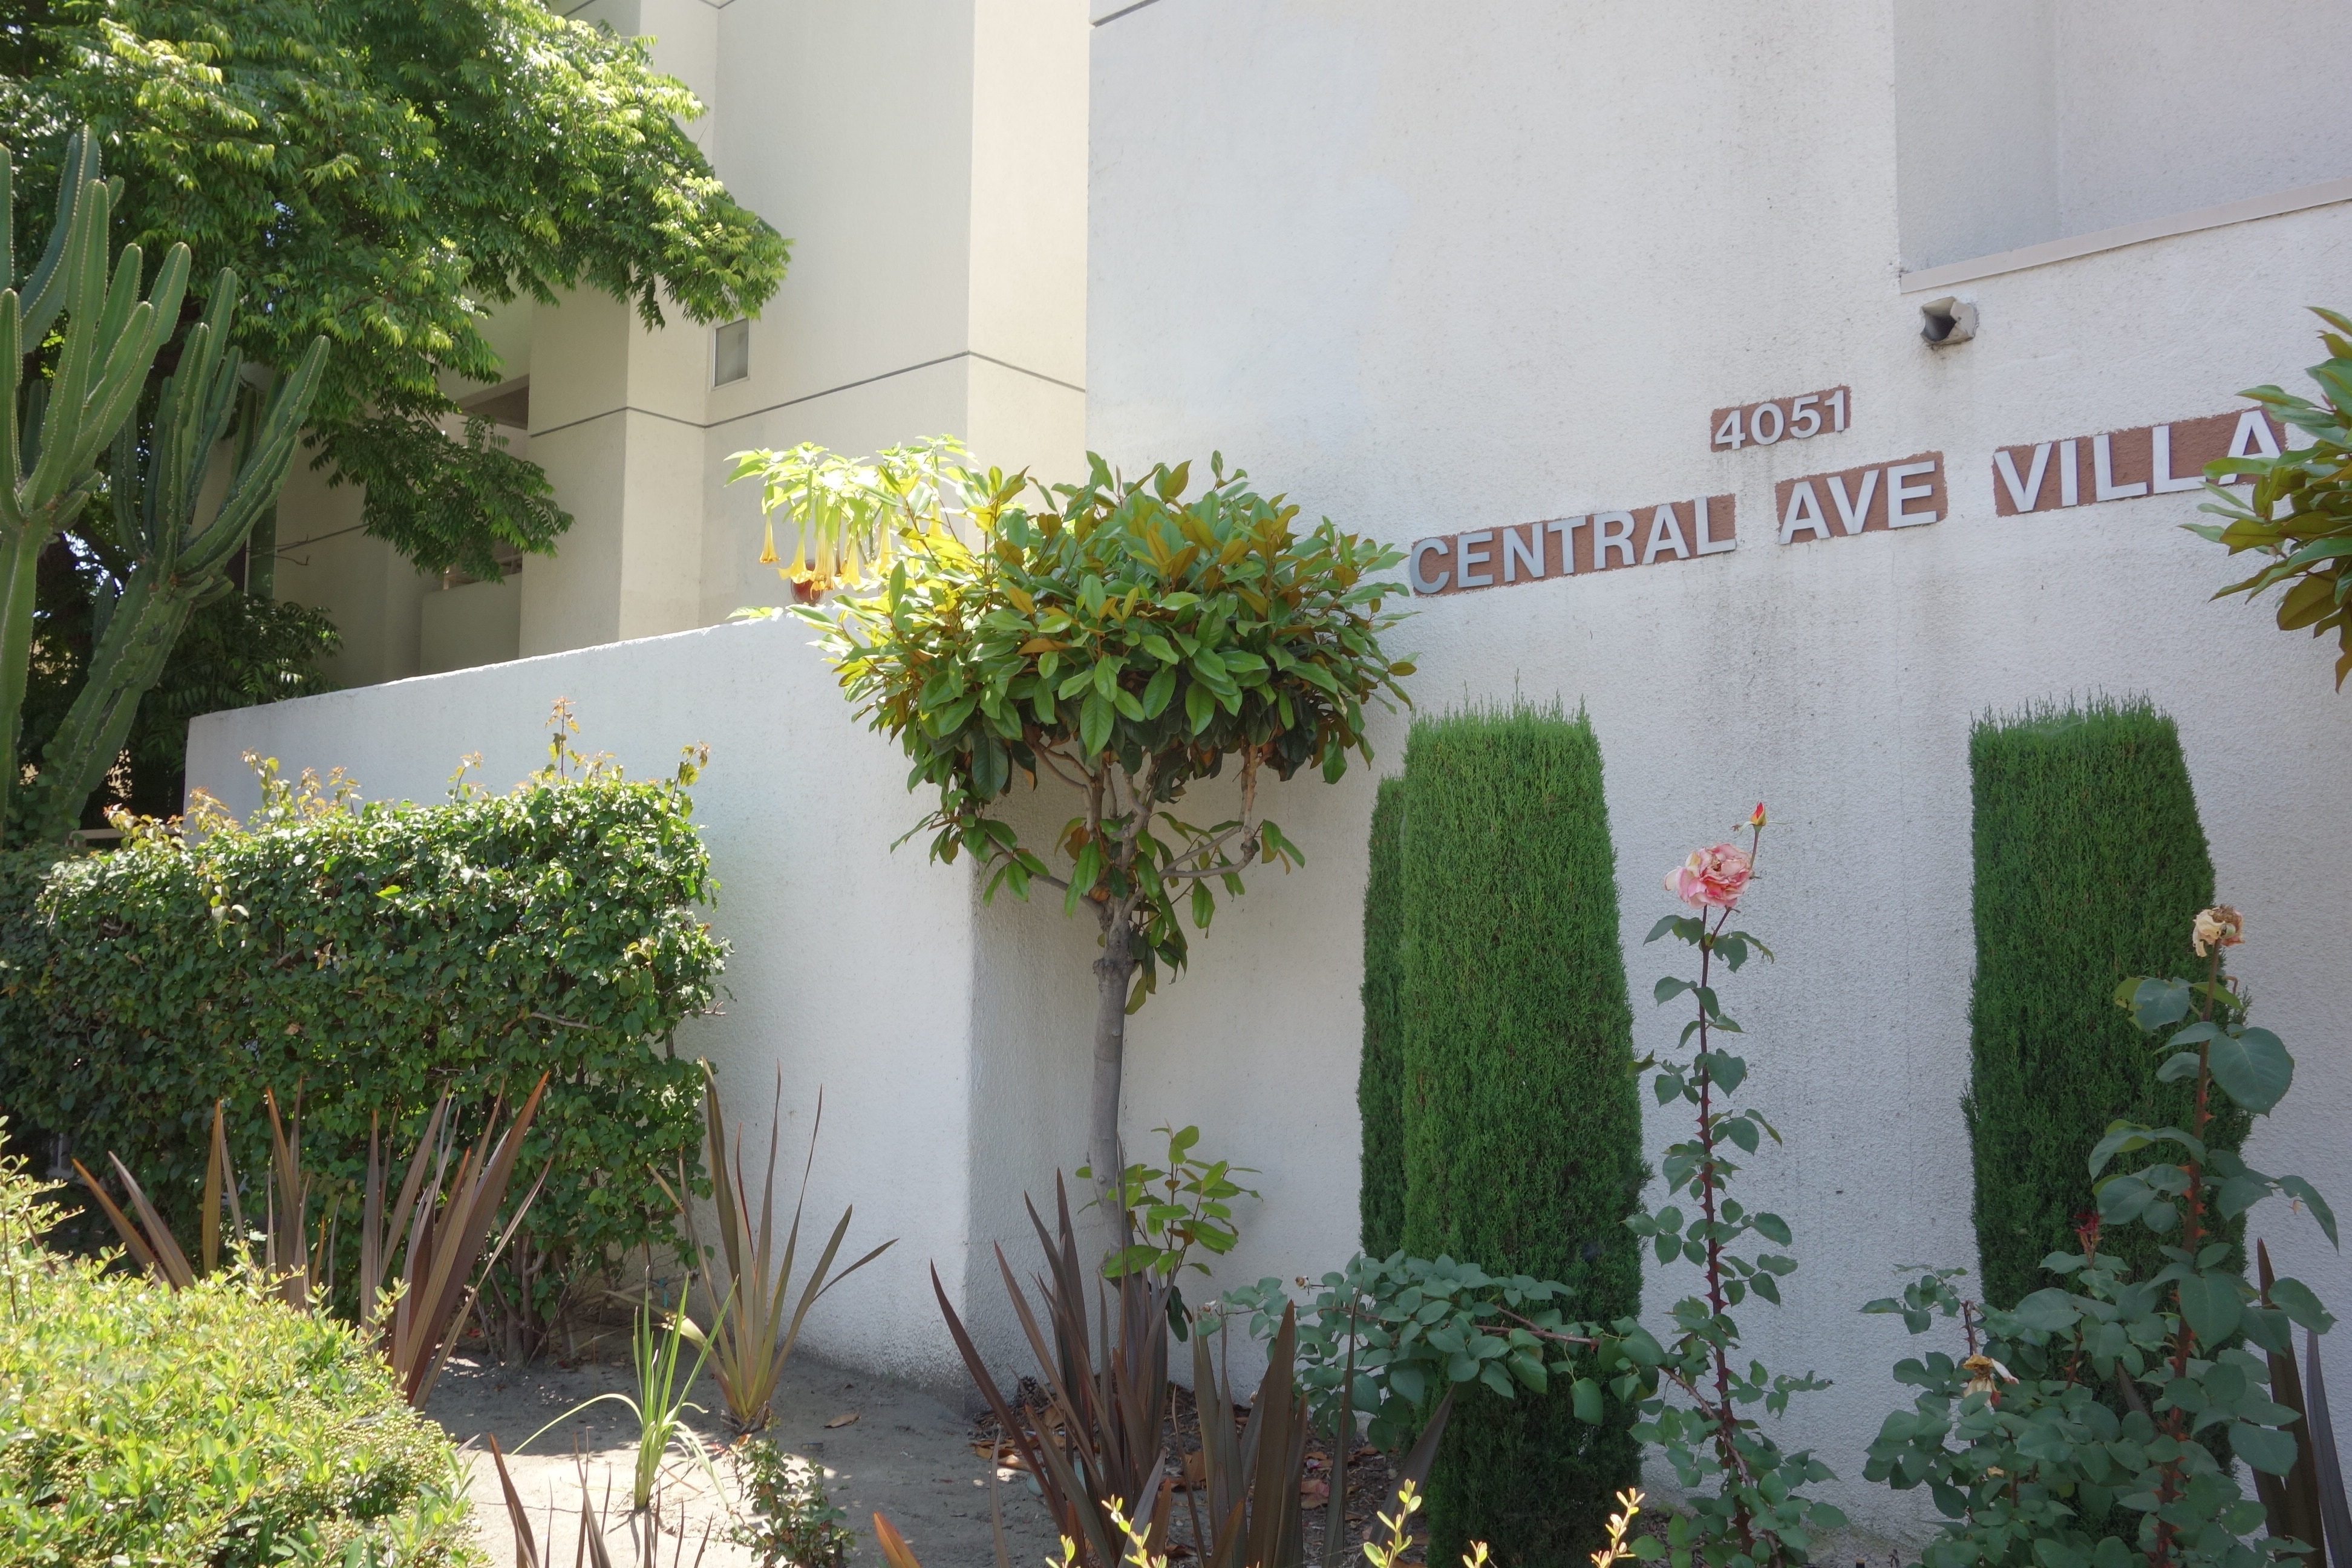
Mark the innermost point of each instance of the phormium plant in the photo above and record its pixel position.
(2022, 1455)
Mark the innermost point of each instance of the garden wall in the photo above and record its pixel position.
(1472, 271)
(853, 968)
(1472, 276)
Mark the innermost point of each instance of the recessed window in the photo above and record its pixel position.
(730, 357)
(2024, 122)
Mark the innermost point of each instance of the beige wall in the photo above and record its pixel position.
(928, 160)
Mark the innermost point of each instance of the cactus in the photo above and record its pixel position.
(55, 427)
(179, 559)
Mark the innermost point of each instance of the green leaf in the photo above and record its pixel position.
(2212, 1304)
(1200, 704)
(1584, 1395)
(1095, 718)
(2264, 1447)
(2308, 1195)
(2252, 1068)
(2297, 1300)
(2050, 1310)
(2153, 1004)
(2180, 1068)
(1162, 687)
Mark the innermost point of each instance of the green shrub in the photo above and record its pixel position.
(375, 959)
(1522, 1120)
(792, 1521)
(211, 1424)
(1379, 1080)
(2090, 866)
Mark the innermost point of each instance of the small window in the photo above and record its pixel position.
(731, 358)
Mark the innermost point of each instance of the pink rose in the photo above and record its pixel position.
(1711, 878)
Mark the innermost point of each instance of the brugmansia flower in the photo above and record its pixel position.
(1711, 878)
(2218, 927)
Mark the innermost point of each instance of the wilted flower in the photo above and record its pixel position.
(1985, 1370)
(2218, 927)
(1711, 878)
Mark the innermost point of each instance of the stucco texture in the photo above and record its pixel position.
(1470, 270)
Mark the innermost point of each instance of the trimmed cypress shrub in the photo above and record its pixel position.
(1378, 1081)
(2090, 866)
(1522, 1120)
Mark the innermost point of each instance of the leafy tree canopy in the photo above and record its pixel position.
(383, 172)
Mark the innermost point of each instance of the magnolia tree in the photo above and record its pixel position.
(1112, 637)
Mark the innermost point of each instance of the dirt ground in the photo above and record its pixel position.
(905, 1454)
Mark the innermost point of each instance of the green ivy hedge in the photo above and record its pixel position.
(210, 1424)
(374, 958)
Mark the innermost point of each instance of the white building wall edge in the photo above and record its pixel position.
(1504, 273)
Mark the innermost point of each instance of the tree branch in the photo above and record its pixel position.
(1000, 857)
(1055, 759)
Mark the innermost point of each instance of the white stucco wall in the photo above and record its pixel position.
(2025, 120)
(852, 967)
(1426, 273)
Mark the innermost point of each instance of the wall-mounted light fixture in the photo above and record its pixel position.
(1949, 321)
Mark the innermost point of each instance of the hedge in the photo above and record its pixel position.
(212, 1425)
(373, 959)
(1522, 1120)
(1379, 1081)
(2090, 865)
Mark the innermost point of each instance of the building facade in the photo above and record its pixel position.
(928, 160)
(1787, 385)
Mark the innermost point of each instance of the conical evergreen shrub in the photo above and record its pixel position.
(2090, 866)
(1378, 1081)
(1522, 1120)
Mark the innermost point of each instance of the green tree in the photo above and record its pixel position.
(1379, 1075)
(2090, 865)
(507, 152)
(2299, 513)
(1522, 1118)
(1112, 636)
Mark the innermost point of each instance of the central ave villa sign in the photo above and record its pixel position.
(1906, 492)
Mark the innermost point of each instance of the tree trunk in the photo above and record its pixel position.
(145, 623)
(1114, 976)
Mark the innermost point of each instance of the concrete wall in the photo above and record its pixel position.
(928, 160)
(1428, 273)
(853, 968)
(1427, 276)
(2025, 120)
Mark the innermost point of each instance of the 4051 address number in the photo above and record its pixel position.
(1766, 423)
